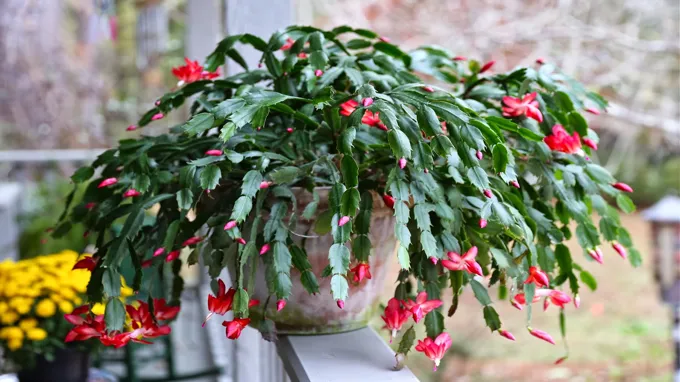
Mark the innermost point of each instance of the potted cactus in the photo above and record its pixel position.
(340, 156)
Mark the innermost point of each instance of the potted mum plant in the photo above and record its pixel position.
(35, 294)
(340, 155)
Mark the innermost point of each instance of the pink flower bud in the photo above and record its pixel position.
(515, 183)
(459, 58)
(590, 143)
(368, 101)
(241, 241)
(592, 110)
(341, 304)
(402, 163)
(213, 153)
(259, 65)
(540, 61)
(131, 193)
(107, 182)
(280, 305)
(480, 155)
(230, 224)
(157, 116)
(541, 334)
(90, 205)
(265, 184)
(506, 334)
(426, 171)
(343, 220)
(384, 39)
(172, 256)
(620, 249)
(302, 55)
(428, 89)
(192, 241)
(487, 66)
(488, 193)
(289, 130)
(434, 260)
(560, 360)
(158, 252)
(131, 128)
(595, 255)
(264, 249)
(517, 305)
(622, 187)
(577, 301)
(482, 223)
(158, 102)
(318, 72)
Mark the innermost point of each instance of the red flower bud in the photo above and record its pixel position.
(264, 249)
(577, 301)
(172, 256)
(388, 200)
(131, 128)
(487, 66)
(560, 360)
(515, 183)
(213, 153)
(265, 184)
(280, 305)
(384, 39)
(368, 101)
(343, 220)
(107, 182)
(488, 193)
(341, 304)
(590, 143)
(402, 163)
(241, 241)
(542, 335)
(480, 155)
(506, 334)
(428, 89)
(289, 130)
(482, 223)
(158, 251)
(459, 58)
(131, 193)
(230, 224)
(620, 249)
(90, 205)
(622, 187)
(157, 116)
(540, 61)
(592, 110)
(318, 72)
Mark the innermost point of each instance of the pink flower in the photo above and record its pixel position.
(466, 262)
(557, 297)
(265, 248)
(235, 327)
(434, 260)
(506, 334)
(479, 155)
(318, 72)
(596, 254)
(158, 251)
(107, 182)
(435, 349)
(192, 72)
(620, 249)
(131, 193)
(241, 241)
(515, 183)
(343, 220)
(482, 223)
(369, 118)
(230, 224)
(421, 306)
(172, 256)
(289, 44)
(394, 317)
(428, 89)
(289, 130)
(192, 241)
(486, 66)
(221, 303)
(520, 300)
(157, 116)
(366, 102)
(280, 304)
(213, 153)
(542, 335)
(527, 105)
(402, 163)
(577, 301)
(488, 194)
(302, 55)
(537, 277)
(131, 128)
(540, 61)
(265, 184)
(90, 205)
(590, 143)
(561, 141)
(622, 187)
(592, 110)
(158, 102)
(341, 304)
(459, 58)
(361, 271)
(388, 200)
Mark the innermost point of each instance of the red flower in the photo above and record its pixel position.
(421, 306)
(143, 323)
(192, 241)
(280, 305)
(265, 184)
(163, 311)
(289, 44)
(527, 105)
(369, 118)
(213, 153)
(340, 303)
(116, 340)
(192, 72)
(265, 248)
(622, 187)
(107, 182)
(388, 200)
(520, 300)
(235, 327)
(590, 143)
(230, 224)
(172, 256)
(560, 140)
(506, 334)
(557, 297)
(486, 66)
(482, 223)
(157, 116)
(361, 271)
(435, 349)
(537, 277)
(87, 262)
(158, 251)
(467, 262)
(318, 72)
(131, 193)
(542, 335)
(222, 303)
(620, 249)
(90, 205)
(395, 317)
(85, 327)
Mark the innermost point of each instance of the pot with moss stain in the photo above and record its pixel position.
(319, 314)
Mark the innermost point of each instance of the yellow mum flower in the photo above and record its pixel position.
(9, 318)
(36, 334)
(45, 308)
(28, 323)
(12, 333)
(3, 307)
(14, 344)
(21, 305)
(67, 293)
(98, 309)
(65, 307)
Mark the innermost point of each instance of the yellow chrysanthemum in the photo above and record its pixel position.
(21, 305)
(8, 318)
(45, 308)
(3, 307)
(65, 307)
(36, 334)
(14, 344)
(28, 323)
(12, 333)
(67, 293)
(98, 309)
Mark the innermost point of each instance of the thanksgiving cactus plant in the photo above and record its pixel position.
(488, 174)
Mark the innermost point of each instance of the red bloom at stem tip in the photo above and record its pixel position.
(264, 249)
(515, 183)
(402, 163)
(620, 249)
(192, 241)
(318, 72)
(163, 311)
(131, 193)
(157, 116)
(482, 223)
(213, 153)
(221, 303)
(131, 128)
(506, 334)
(158, 251)
(466, 262)
(557, 297)
(235, 327)
(388, 200)
(280, 304)
(192, 71)
(527, 105)
(520, 300)
(107, 182)
(590, 143)
(435, 349)
(302, 55)
(394, 317)
(479, 155)
(369, 118)
(421, 306)
(622, 187)
(487, 66)
(87, 262)
(366, 102)
(340, 303)
(596, 254)
(541, 334)
(361, 271)
(230, 224)
(488, 193)
(537, 277)
(172, 256)
(241, 241)
(561, 141)
(265, 184)
(289, 44)
(428, 89)
(592, 110)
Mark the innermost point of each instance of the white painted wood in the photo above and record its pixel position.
(10, 193)
(203, 28)
(360, 355)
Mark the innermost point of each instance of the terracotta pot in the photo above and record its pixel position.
(69, 365)
(319, 314)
